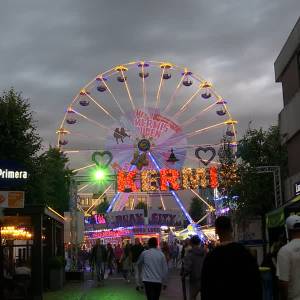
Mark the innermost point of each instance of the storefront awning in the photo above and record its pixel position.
(276, 218)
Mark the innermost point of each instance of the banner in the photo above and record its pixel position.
(125, 218)
(12, 174)
(95, 222)
(11, 199)
(165, 218)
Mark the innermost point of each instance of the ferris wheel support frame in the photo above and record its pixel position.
(179, 202)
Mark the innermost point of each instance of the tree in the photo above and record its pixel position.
(103, 206)
(19, 140)
(56, 179)
(256, 191)
(196, 210)
(142, 205)
(228, 167)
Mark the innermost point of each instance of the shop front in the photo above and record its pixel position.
(275, 220)
(30, 237)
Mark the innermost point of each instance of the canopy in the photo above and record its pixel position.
(276, 218)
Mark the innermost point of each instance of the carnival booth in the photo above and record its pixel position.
(30, 238)
(124, 226)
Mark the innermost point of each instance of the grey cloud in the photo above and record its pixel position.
(50, 49)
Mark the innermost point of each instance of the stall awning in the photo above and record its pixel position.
(276, 218)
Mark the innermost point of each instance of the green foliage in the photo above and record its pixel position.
(103, 206)
(55, 179)
(19, 140)
(227, 168)
(196, 210)
(256, 191)
(48, 181)
(142, 205)
(56, 262)
(263, 148)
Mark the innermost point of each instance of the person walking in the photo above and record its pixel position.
(110, 258)
(174, 253)
(136, 251)
(118, 254)
(166, 251)
(99, 256)
(154, 269)
(126, 262)
(288, 262)
(229, 271)
(193, 262)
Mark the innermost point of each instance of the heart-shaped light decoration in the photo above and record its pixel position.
(98, 158)
(205, 150)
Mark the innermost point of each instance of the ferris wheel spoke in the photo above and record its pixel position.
(84, 135)
(173, 139)
(90, 120)
(194, 118)
(210, 207)
(187, 102)
(159, 87)
(96, 202)
(84, 168)
(85, 186)
(113, 96)
(128, 90)
(101, 107)
(198, 131)
(175, 195)
(144, 87)
(162, 201)
(179, 85)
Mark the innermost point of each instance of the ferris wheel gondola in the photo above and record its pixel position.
(157, 104)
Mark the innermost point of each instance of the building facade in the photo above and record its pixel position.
(287, 71)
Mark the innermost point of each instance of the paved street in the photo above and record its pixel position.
(113, 288)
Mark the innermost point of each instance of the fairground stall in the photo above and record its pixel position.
(121, 227)
(30, 238)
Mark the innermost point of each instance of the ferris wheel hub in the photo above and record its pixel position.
(144, 145)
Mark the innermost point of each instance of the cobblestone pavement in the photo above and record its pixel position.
(114, 288)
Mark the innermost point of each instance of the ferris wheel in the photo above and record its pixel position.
(145, 115)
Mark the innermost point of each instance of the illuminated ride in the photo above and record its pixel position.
(146, 123)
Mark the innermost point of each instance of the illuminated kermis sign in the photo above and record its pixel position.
(166, 179)
(12, 174)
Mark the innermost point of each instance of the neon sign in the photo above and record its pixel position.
(167, 179)
(109, 233)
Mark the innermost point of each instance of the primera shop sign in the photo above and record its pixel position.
(12, 174)
(9, 174)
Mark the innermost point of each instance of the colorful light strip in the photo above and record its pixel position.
(187, 215)
(113, 201)
(173, 193)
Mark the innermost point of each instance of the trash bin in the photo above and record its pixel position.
(267, 284)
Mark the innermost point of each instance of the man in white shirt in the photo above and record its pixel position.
(154, 269)
(288, 262)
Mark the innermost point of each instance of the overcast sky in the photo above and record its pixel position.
(49, 49)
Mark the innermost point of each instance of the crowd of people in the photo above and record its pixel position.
(226, 271)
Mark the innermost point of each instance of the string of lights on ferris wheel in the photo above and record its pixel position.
(62, 132)
(186, 79)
